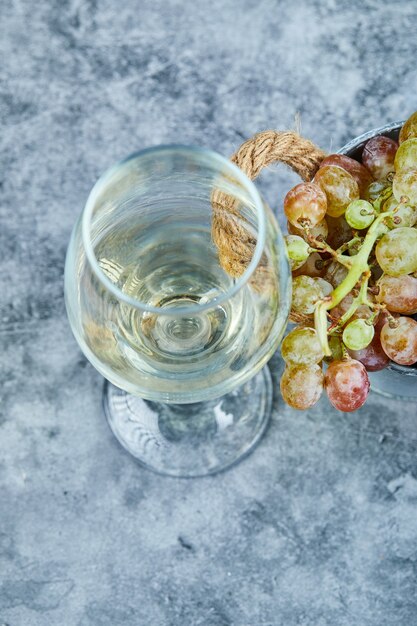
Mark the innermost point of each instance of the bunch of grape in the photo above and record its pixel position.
(352, 245)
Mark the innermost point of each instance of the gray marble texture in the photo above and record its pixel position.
(319, 525)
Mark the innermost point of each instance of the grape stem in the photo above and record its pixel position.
(359, 266)
(361, 298)
(321, 246)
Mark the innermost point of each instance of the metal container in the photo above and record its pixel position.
(396, 380)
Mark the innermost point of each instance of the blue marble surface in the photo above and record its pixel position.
(319, 525)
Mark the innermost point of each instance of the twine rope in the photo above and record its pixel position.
(234, 242)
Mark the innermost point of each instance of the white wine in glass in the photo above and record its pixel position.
(181, 340)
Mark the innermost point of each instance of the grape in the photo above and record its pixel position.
(363, 312)
(406, 157)
(400, 342)
(409, 128)
(305, 293)
(341, 308)
(360, 214)
(339, 231)
(335, 273)
(339, 186)
(347, 384)
(376, 191)
(373, 356)
(358, 334)
(314, 266)
(378, 156)
(336, 348)
(302, 385)
(298, 250)
(302, 346)
(305, 204)
(355, 169)
(402, 214)
(404, 185)
(396, 251)
(325, 286)
(319, 231)
(384, 317)
(399, 293)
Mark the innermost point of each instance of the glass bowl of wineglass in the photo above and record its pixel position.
(181, 340)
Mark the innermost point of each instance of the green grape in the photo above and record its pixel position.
(305, 204)
(402, 214)
(409, 128)
(306, 292)
(404, 186)
(336, 348)
(325, 286)
(360, 214)
(358, 334)
(396, 251)
(298, 250)
(378, 192)
(406, 157)
(339, 186)
(302, 385)
(302, 346)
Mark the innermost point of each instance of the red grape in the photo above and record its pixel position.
(305, 204)
(378, 156)
(347, 384)
(373, 356)
(339, 231)
(400, 341)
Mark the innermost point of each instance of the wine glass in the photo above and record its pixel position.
(180, 339)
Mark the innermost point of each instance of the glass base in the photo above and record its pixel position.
(188, 440)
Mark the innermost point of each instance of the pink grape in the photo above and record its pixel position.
(399, 293)
(399, 341)
(305, 204)
(347, 384)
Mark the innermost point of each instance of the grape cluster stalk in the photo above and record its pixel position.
(352, 246)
